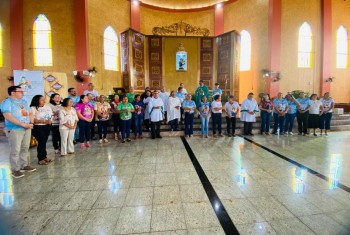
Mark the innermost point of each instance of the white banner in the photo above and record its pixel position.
(32, 83)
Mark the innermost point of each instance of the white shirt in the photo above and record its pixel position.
(164, 96)
(216, 104)
(230, 107)
(327, 104)
(42, 113)
(94, 93)
(156, 115)
(172, 112)
(67, 117)
(315, 106)
(184, 91)
(249, 106)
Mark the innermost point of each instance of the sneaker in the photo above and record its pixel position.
(57, 151)
(88, 144)
(82, 146)
(128, 139)
(17, 174)
(100, 141)
(285, 133)
(105, 140)
(123, 141)
(290, 133)
(28, 169)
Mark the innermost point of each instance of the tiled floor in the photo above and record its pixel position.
(152, 187)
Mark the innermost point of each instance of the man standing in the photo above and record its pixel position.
(249, 108)
(73, 95)
(91, 90)
(279, 114)
(217, 90)
(202, 90)
(165, 97)
(156, 108)
(18, 129)
(131, 94)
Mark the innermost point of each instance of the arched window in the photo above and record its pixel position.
(111, 49)
(342, 48)
(42, 45)
(305, 46)
(246, 51)
(1, 54)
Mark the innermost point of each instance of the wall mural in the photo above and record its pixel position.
(180, 28)
(138, 59)
(155, 61)
(125, 58)
(206, 60)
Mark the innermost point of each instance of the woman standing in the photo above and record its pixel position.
(138, 116)
(266, 107)
(55, 105)
(173, 113)
(303, 114)
(42, 121)
(115, 117)
(315, 113)
(68, 122)
(204, 111)
(216, 109)
(85, 114)
(148, 97)
(102, 109)
(291, 114)
(189, 106)
(328, 105)
(231, 108)
(125, 109)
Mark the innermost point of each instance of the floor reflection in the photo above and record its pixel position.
(6, 193)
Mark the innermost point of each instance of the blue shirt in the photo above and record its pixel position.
(204, 107)
(280, 104)
(181, 96)
(139, 104)
(292, 107)
(189, 104)
(304, 103)
(217, 91)
(17, 108)
(75, 100)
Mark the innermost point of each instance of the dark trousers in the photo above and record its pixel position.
(247, 128)
(231, 125)
(92, 127)
(102, 129)
(174, 124)
(56, 137)
(216, 122)
(303, 119)
(125, 127)
(41, 134)
(290, 117)
(265, 121)
(84, 131)
(182, 113)
(325, 121)
(138, 121)
(147, 123)
(155, 129)
(278, 122)
(116, 122)
(189, 117)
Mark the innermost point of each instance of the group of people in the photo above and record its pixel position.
(73, 119)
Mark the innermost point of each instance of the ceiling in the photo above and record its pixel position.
(182, 4)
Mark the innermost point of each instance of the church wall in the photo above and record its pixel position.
(5, 70)
(340, 88)
(61, 17)
(294, 14)
(115, 13)
(150, 18)
(250, 15)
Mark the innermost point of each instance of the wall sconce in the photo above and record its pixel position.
(330, 79)
(276, 76)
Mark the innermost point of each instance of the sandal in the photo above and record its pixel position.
(48, 160)
(43, 162)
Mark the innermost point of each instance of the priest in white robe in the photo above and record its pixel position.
(156, 110)
(248, 110)
(173, 111)
(164, 96)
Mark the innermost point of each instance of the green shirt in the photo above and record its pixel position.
(122, 106)
(131, 96)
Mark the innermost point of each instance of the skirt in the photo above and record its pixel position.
(314, 121)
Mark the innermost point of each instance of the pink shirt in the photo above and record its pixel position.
(86, 110)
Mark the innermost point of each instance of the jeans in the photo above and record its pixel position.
(138, 121)
(84, 131)
(231, 125)
(325, 121)
(290, 117)
(303, 119)
(76, 133)
(155, 129)
(102, 129)
(216, 123)
(19, 141)
(278, 122)
(174, 124)
(56, 138)
(41, 134)
(205, 125)
(265, 121)
(126, 125)
(92, 127)
(189, 123)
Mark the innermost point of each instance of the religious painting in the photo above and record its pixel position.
(181, 61)
(206, 57)
(206, 70)
(207, 43)
(138, 54)
(155, 56)
(155, 42)
(155, 83)
(155, 70)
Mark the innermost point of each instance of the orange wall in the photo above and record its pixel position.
(5, 70)
(340, 88)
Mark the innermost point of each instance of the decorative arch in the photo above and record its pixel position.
(305, 47)
(246, 51)
(342, 48)
(42, 41)
(111, 49)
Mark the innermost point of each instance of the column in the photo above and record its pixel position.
(219, 19)
(16, 34)
(135, 15)
(326, 45)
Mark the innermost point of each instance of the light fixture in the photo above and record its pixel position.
(330, 79)
(271, 74)
(135, 2)
(218, 6)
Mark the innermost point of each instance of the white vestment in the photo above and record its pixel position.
(249, 106)
(156, 115)
(145, 101)
(172, 112)
(164, 96)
